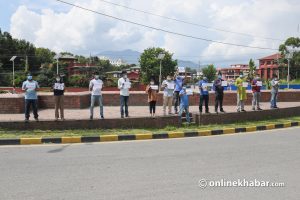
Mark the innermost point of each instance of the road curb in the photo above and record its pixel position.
(144, 136)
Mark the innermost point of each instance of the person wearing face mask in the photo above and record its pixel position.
(152, 96)
(168, 88)
(58, 90)
(31, 99)
(178, 86)
(204, 94)
(241, 93)
(184, 104)
(256, 92)
(124, 85)
(95, 87)
(219, 93)
(274, 91)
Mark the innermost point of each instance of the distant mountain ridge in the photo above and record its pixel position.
(132, 57)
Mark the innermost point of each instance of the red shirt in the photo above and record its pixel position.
(255, 88)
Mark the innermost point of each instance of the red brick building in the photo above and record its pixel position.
(269, 66)
(234, 71)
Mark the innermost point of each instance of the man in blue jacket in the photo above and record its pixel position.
(219, 93)
(178, 87)
(204, 94)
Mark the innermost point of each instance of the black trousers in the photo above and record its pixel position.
(204, 98)
(219, 101)
(31, 103)
(152, 105)
(176, 100)
(124, 103)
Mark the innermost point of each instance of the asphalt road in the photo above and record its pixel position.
(155, 169)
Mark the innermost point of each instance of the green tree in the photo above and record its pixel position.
(209, 72)
(252, 69)
(150, 64)
(285, 48)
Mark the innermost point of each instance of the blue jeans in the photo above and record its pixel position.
(124, 103)
(187, 113)
(33, 103)
(95, 98)
(274, 99)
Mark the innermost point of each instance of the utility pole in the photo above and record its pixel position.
(26, 64)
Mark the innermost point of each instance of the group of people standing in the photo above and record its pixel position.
(175, 92)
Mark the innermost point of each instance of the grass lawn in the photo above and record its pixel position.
(96, 132)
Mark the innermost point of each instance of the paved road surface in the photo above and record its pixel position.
(154, 169)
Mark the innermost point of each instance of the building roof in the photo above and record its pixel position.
(271, 57)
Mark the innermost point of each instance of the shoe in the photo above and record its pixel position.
(91, 117)
(253, 108)
(222, 111)
(102, 117)
(259, 109)
(127, 116)
(207, 112)
(36, 119)
(276, 107)
(122, 116)
(170, 113)
(56, 119)
(216, 111)
(26, 120)
(243, 110)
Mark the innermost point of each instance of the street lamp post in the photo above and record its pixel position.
(13, 61)
(160, 56)
(57, 56)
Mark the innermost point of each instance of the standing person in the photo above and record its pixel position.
(58, 90)
(95, 87)
(168, 87)
(256, 92)
(184, 105)
(219, 93)
(204, 94)
(30, 87)
(124, 85)
(241, 93)
(178, 86)
(152, 97)
(274, 91)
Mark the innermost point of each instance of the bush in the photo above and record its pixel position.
(78, 80)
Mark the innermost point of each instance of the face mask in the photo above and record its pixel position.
(29, 78)
(205, 79)
(184, 88)
(168, 79)
(124, 76)
(219, 77)
(152, 83)
(241, 76)
(58, 79)
(96, 77)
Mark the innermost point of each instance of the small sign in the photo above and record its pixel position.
(189, 91)
(31, 86)
(154, 87)
(127, 85)
(181, 69)
(224, 83)
(59, 86)
(276, 82)
(259, 83)
(245, 84)
(97, 86)
(171, 86)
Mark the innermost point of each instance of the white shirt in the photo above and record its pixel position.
(124, 85)
(96, 86)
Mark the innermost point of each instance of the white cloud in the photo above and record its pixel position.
(82, 32)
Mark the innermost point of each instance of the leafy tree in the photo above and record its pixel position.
(150, 64)
(292, 42)
(252, 69)
(46, 77)
(209, 72)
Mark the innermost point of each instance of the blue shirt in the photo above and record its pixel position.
(184, 99)
(203, 90)
(178, 83)
(31, 87)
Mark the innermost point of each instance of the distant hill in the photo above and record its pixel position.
(132, 57)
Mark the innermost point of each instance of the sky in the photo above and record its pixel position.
(61, 27)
